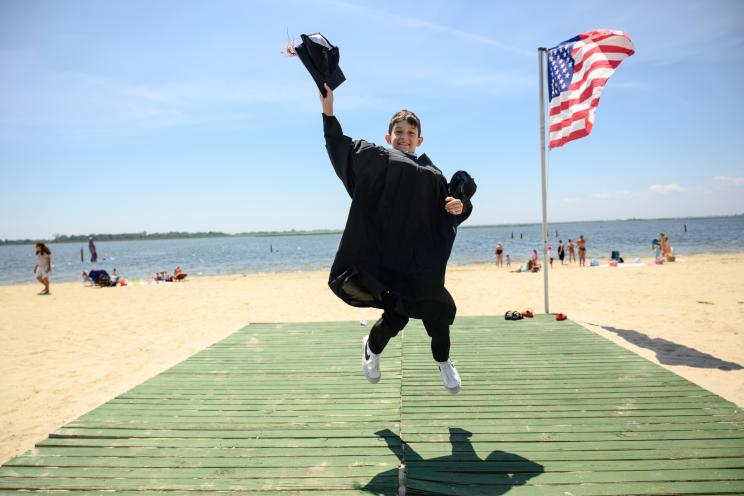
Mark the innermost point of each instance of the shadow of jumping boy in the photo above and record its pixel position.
(462, 472)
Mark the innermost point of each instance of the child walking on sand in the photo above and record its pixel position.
(398, 236)
(43, 266)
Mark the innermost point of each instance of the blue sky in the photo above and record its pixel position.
(183, 115)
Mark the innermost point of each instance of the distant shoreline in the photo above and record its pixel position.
(144, 236)
(102, 238)
(467, 267)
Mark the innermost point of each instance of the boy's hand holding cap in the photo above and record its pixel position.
(320, 58)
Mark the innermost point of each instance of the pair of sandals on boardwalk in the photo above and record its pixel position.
(515, 315)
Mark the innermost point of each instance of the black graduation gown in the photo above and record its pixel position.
(398, 236)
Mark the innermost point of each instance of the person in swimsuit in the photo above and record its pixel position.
(666, 248)
(571, 252)
(581, 242)
(499, 255)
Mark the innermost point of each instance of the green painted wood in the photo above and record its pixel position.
(551, 408)
(273, 407)
(382, 488)
(546, 408)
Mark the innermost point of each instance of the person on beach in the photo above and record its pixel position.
(531, 266)
(656, 247)
(179, 274)
(571, 252)
(561, 251)
(43, 266)
(93, 251)
(499, 255)
(666, 248)
(550, 255)
(398, 237)
(581, 243)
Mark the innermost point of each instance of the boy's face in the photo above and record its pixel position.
(404, 137)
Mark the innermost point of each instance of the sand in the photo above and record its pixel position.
(67, 353)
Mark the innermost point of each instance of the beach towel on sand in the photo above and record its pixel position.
(398, 236)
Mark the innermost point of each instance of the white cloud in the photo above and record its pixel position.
(729, 180)
(666, 188)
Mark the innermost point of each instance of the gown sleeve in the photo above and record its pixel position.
(462, 186)
(355, 161)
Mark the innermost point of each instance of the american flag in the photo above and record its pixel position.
(578, 69)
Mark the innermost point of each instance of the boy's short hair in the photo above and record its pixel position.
(407, 116)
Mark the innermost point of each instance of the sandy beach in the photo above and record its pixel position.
(64, 354)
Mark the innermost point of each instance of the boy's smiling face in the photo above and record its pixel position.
(404, 137)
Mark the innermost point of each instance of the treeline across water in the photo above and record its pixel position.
(139, 236)
(77, 238)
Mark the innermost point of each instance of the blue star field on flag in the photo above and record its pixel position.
(560, 67)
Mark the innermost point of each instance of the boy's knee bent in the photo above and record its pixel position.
(436, 328)
(393, 322)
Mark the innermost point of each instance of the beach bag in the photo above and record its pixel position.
(103, 280)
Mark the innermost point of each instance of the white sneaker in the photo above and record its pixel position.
(370, 363)
(450, 377)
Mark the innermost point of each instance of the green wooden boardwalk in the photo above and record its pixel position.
(547, 408)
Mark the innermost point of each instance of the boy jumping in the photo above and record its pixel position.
(398, 237)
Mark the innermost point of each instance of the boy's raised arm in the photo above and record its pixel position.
(339, 146)
(327, 101)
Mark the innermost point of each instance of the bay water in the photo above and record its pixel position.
(140, 259)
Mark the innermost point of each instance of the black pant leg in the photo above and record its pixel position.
(389, 325)
(438, 330)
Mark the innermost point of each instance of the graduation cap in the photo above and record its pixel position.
(321, 60)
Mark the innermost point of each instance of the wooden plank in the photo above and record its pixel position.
(66, 454)
(247, 466)
(379, 488)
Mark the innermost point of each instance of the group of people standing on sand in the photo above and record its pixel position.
(572, 247)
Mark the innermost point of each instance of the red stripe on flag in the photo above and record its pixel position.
(612, 64)
(575, 116)
(587, 93)
(603, 49)
(601, 34)
(574, 135)
(600, 64)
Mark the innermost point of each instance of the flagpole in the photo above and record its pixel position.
(546, 262)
